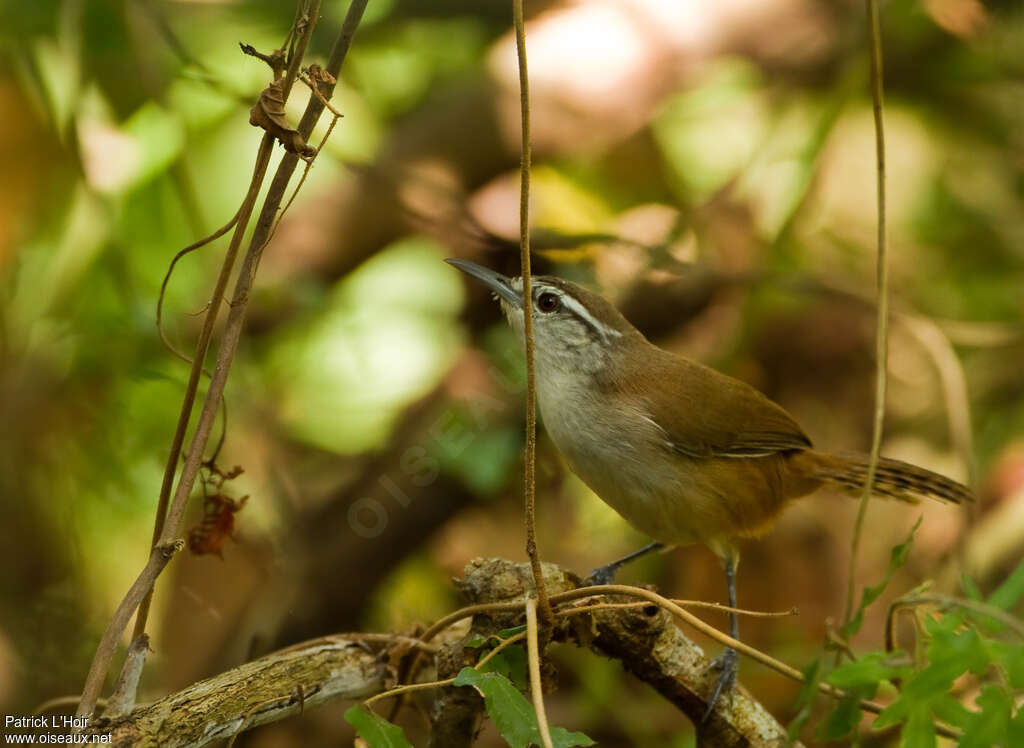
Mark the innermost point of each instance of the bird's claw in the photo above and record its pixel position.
(727, 664)
(601, 575)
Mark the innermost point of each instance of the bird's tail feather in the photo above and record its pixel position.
(893, 479)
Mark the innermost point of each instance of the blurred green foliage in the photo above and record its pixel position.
(126, 137)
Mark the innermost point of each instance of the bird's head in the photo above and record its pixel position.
(574, 330)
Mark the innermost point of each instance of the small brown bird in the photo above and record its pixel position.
(684, 453)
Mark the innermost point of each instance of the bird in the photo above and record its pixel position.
(684, 453)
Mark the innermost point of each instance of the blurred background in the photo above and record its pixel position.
(709, 166)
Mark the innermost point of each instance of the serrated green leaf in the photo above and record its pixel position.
(897, 558)
(842, 721)
(866, 673)
(1015, 729)
(933, 680)
(512, 714)
(990, 725)
(919, 731)
(1010, 591)
(962, 648)
(893, 714)
(375, 730)
(950, 710)
(1010, 657)
(953, 651)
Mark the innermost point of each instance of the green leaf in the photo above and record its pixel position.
(951, 711)
(843, 721)
(477, 640)
(511, 663)
(919, 732)
(990, 725)
(804, 703)
(513, 715)
(866, 673)
(956, 647)
(1010, 591)
(375, 730)
(1009, 657)
(953, 651)
(897, 557)
(1016, 729)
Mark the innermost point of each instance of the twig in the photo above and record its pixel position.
(936, 343)
(683, 603)
(400, 690)
(308, 13)
(530, 454)
(882, 327)
(122, 701)
(168, 543)
(619, 589)
(501, 645)
(241, 222)
(533, 660)
(192, 388)
(408, 688)
(63, 702)
(304, 77)
(167, 278)
(311, 159)
(954, 385)
(236, 314)
(622, 589)
(944, 602)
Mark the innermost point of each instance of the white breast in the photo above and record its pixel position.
(603, 452)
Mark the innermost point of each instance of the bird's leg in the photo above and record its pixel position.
(606, 574)
(727, 664)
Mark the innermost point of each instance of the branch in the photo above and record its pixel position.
(282, 684)
(267, 690)
(645, 640)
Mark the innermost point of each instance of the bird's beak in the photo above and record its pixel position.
(500, 284)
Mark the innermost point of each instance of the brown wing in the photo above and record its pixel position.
(714, 415)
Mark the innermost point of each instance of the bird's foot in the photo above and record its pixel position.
(601, 575)
(727, 664)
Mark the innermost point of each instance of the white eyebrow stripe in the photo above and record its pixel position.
(581, 311)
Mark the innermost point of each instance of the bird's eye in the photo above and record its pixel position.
(547, 302)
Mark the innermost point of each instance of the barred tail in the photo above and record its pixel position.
(893, 479)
